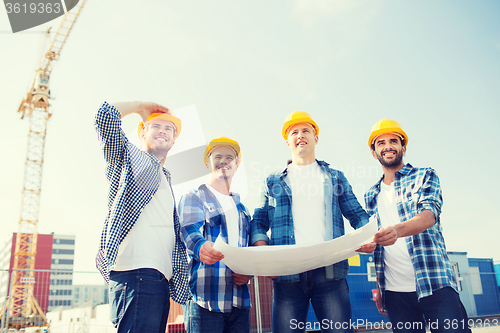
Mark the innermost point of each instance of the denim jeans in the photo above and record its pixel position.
(329, 299)
(443, 312)
(200, 320)
(139, 300)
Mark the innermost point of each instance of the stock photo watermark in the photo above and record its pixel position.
(24, 14)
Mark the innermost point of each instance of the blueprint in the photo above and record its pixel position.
(293, 259)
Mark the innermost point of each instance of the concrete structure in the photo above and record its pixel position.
(90, 295)
(61, 278)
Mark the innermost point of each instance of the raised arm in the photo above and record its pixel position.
(144, 109)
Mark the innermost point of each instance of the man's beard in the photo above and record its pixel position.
(397, 161)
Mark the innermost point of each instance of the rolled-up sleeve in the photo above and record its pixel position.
(260, 220)
(110, 134)
(192, 220)
(430, 197)
(349, 204)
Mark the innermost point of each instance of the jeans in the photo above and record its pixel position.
(329, 299)
(200, 320)
(139, 300)
(443, 312)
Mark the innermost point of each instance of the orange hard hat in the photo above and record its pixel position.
(385, 126)
(222, 141)
(297, 117)
(166, 116)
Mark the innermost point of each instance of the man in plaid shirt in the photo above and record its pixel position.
(221, 299)
(141, 254)
(415, 280)
(305, 204)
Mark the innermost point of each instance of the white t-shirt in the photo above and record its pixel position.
(308, 203)
(231, 214)
(150, 243)
(399, 272)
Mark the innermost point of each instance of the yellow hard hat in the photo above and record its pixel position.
(387, 126)
(297, 117)
(221, 141)
(166, 116)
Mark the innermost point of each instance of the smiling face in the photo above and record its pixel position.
(158, 137)
(302, 140)
(389, 151)
(222, 162)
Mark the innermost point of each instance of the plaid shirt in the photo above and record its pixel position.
(417, 190)
(202, 219)
(134, 178)
(274, 212)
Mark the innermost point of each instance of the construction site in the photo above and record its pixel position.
(244, 67)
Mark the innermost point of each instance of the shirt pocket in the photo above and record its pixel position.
(410, 200)
(212, 215)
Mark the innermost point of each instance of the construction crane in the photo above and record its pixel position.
(23, 309)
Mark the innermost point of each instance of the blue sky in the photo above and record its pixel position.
(434, 66)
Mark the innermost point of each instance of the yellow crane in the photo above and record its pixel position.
(23, 309)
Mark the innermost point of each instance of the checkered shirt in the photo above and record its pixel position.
(274, 212)
(134, 178)
(203, 219)
(417, 190)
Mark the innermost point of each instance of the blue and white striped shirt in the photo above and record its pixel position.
(417, 189)
(134, 178)
(202, 219)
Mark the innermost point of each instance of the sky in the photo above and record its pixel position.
(237, 69)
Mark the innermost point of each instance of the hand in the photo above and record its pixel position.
(378, 301)
(240, 279)
(146, 108)
(386, 236)
(208, 254)
(367, 248)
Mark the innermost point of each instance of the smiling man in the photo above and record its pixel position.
(415, 280)
(305, 204)
(141, 254)
(221, 299)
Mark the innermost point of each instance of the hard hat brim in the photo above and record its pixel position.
(165, 116)
(222, 141)
(391, 130)
(292, 122)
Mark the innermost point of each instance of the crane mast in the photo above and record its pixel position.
(24, 309)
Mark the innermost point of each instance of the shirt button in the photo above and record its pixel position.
(291, 236)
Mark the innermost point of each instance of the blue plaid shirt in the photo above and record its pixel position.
(134, 178)
(202, 219)
(417, 190)
(274, 212)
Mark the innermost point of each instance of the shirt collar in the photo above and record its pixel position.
(403, 171)
(322, 165)
(235, 196)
